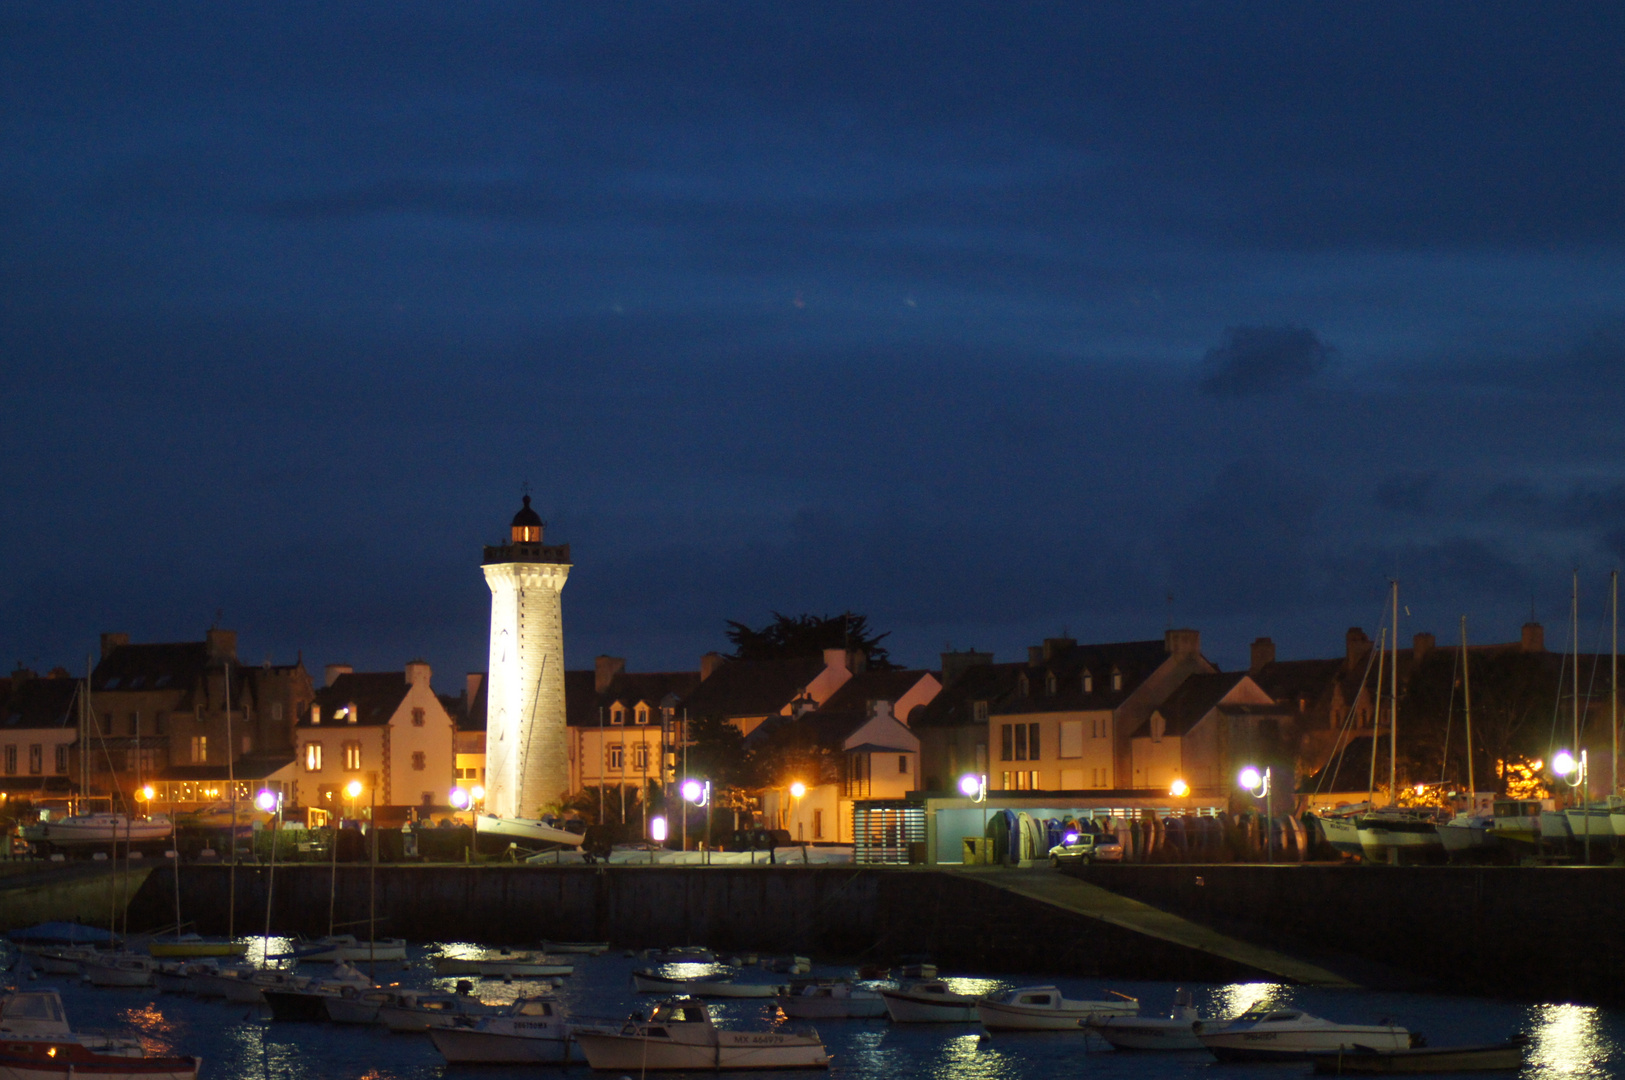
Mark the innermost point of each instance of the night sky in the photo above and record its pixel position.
(989, 322)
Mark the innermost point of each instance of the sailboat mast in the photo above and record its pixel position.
(1613, 687)
(1467, 711)
(231, 782)
(1574, 630)
(1376, 720)
(1393, 710)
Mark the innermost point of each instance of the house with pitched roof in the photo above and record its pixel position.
(854, 746)
(39, 723)
(746, 693)
(1208, 730)
(183, 717)
(387, 729)
(625, 727)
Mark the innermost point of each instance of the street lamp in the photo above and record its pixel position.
(270, 802)
(1179, 789)
(353, 789)
(1258, 786)
(1567, 766)
(797, 790)
(698, 792)
(974, 787)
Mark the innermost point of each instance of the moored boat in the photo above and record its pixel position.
(336, 947)
(1400, 836)
(531, 1030)
(81, 829)
(1291, 1034)
(1517, 823)
(1176, 1031)
(831, 999)
(504, 966)
(525, 831)
(579, 948)
(679, 1034)
(1042, 1008)
(422, 1010)
(1342, 832)
(1364, 1060)
(928, 1002)
(120, 969)
(37, 1043)
(191, 945)
(645, 981)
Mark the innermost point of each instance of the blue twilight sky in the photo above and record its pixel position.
(987, 321)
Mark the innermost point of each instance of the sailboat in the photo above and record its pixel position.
(1469, 832)
(1589, 822)
(1393, 834)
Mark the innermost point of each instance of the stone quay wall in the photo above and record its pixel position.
(862, 915)
(1544, 933)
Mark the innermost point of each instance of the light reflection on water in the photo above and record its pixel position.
(235, 1041)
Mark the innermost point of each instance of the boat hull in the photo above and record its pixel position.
(297, 1005)
(733, 1050)
(904, 1008)
(1134, 1033)
(58, 1059)
(998, 1016)
(1342, 834)
(1400, 841)
(861, 1005)
(1431, 1059)
(469, 1046)
(1248, 1045)
(119, 974)
(652, 984)
(525, 830)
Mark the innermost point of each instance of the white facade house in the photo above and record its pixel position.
(527, 763)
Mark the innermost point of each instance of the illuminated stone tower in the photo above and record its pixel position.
(526, 749)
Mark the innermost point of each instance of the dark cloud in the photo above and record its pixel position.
(1262, 360)
(1408, 493)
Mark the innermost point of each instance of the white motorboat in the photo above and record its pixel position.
(526, 830)
(175, 976)
(681, 954)
(120, 969)
(504, 966)
(1467, 833)
(679, 1034)
(1287, 1034)
(712, 986)
(36, 1043)
(1594, 822)
(530, 1031)
(355, 1005)
(929, 1002)
(305, 998)
(1176, 1031)
(829, 1000)
(1342, 832)
(421, 1010)
(1400, 836)
(1042, 1008)
(81, 829)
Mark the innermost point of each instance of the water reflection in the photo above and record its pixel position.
(156, 1032)
(1567, 1040)
(1237, 998)
(259, 948)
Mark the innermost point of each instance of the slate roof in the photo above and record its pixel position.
(954, 706)
(375, 694)
(1195, 698)
(170, 666)
(41, 703)
(752, 687)
(1134, 660)
(247, 767)
(854, 696)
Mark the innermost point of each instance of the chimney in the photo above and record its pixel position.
(709, 663)
(1421, 645)
(1534, 638)
(333, 671)
(1054, 645)
(1183, 642)
(222, 644)
(857, 661)
(1356, 647)
(605, 668)
(955, 663)
(837, 658)
(471, 686)
(879, 709)
(113, 641)
(1263, 655)
(1035, 655)
(417, 673)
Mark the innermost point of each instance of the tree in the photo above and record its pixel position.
(1512, 692)
(806, 635)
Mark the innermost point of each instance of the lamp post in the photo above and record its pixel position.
(974, 788)
(699, 793)
(657, 833)
(1567, 765)
(270, 802)
(1258, 786)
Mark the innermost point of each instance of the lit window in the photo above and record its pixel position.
(615, 755)
(315, 715)
(313, 757)
(352, 757)
(200, 749)
(640, 754)
(643, 714)
(419, 760)
(1088, 682)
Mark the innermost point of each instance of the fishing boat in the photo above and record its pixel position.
(530, 1031)
(37, 1043)
(1516, 823)
(1342, 831)
(679, 1034)
(1176, 1031)
(829, 1000)
(645, 981)
(1364, 1060)
(1042, 1008)
(120, 969)
(1291, 1034)
(504, 966)
(928, 1002)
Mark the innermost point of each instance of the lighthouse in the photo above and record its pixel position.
(526, 750)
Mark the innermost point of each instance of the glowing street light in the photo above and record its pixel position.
(797, 789)
(477, 793)
(698, 792)
(147, 793)
(1573, 772)
(657, 829)
(460, 799)
(974, 787)
(1258, 786)
(1179, 789)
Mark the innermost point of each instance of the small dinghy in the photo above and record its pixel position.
(1366, 1060)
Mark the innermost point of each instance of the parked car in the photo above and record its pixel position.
(1086, 848)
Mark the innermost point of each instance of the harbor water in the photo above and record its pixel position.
(1567, 1041)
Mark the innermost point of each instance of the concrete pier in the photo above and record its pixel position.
(33, 893)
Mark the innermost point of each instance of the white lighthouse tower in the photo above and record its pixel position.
(526, 749)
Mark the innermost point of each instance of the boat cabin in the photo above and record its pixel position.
(677, 1011)
(533, 1007)
(35, 1013)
